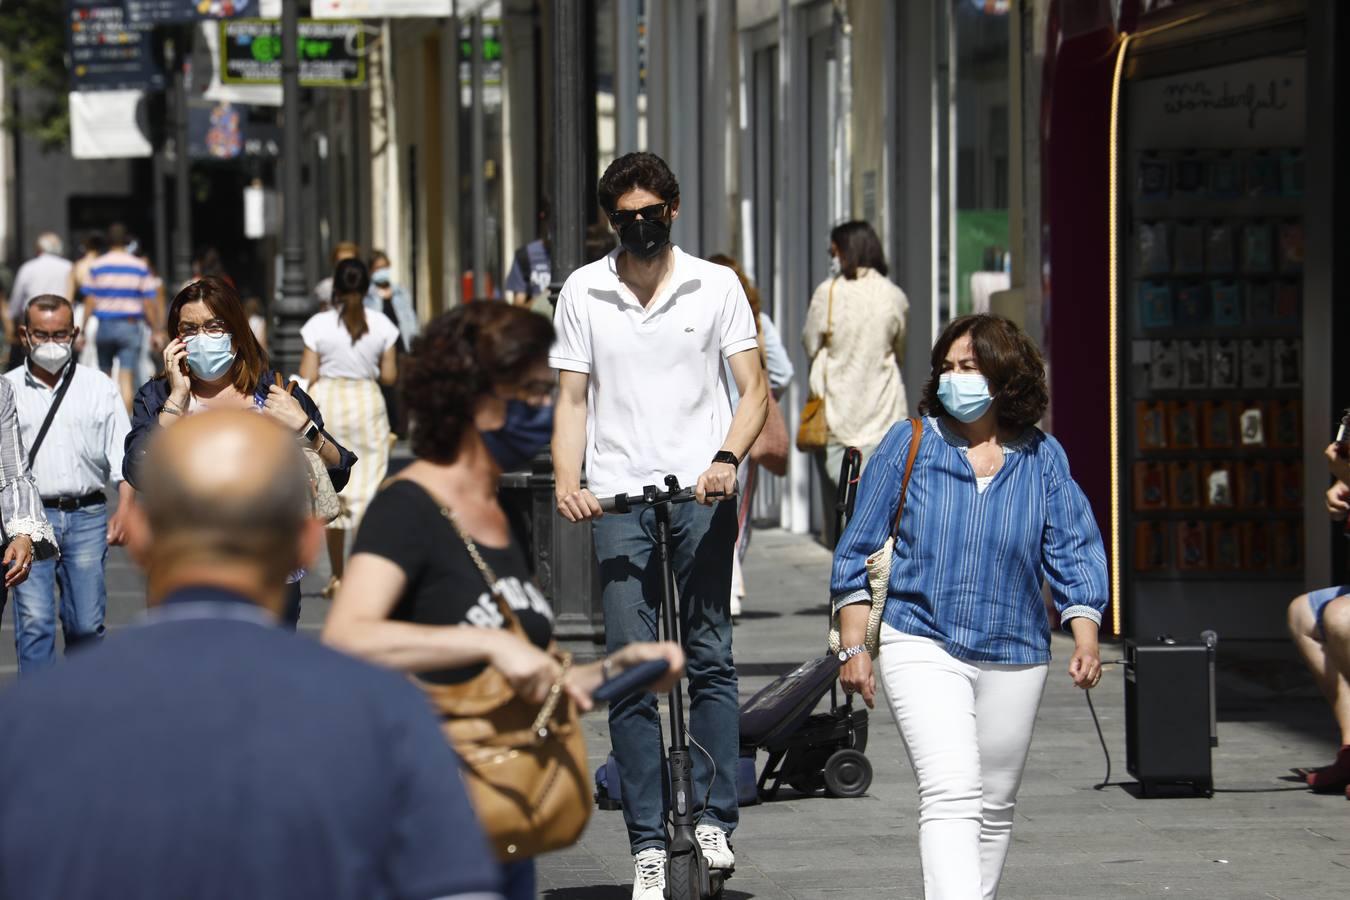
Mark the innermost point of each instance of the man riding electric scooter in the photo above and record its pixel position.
(642, 335)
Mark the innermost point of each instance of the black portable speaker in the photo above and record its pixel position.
(1170, 721)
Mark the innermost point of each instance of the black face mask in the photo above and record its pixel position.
(645, 238)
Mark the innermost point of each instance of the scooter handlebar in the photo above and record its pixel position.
(649, 496)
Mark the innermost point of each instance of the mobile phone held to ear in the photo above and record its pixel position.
(1343, 436)
(630, 680)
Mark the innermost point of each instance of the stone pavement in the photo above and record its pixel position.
(1260, 836)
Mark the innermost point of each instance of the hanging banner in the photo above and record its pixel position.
(109, 125)
(332, 53)
(106, 52)
(382, 9)
(224, 132)
(177, 12)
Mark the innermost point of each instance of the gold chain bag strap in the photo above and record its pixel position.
(524, 766)
(813, 433)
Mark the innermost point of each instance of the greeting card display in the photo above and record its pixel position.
(1258, 255)
(1153, 178)
(1288, 485)
(1255, 364)
(1260, 303)
(1150, 423)
(1225, 545)
(1219, 424)
(1218, 485)
(1164, 369)
(1150, 546)
(1263, 176)
(1150, 485)
(1286, 363)
(1226, 303)
(1225, 177)
(1192, 306)
(1151, 248)
(1195, 364)
(1155, 304)
(1256, 545)
(1291, 248)
(1183, 481)
(1291, 173)
(1192, 546)
(1191, 175)
(1252, 426)
(1287, 547)
(1183, 424)
(1224, 364)
(1286, 424)
(1254, 485)
(1219, 248)
(1188, 250)
(1288, 303)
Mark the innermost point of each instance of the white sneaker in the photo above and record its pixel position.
(649, 874)
(713, 842)
(735, 606)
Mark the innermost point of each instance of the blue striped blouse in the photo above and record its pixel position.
(968, 566)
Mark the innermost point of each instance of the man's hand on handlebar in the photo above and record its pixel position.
(719, 481)
(578, 505)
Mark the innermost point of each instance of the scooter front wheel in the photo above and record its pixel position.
(685, 877)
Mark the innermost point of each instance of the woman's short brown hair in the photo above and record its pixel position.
(458, 359)
(249, 361)
(1007, 358)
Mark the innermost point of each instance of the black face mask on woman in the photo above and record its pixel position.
(526, 432)
(645, 238)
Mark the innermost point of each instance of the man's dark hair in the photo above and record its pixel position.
(637, 170)
(46, 303)
(859, 248)
(1008, 360)
(117, 235)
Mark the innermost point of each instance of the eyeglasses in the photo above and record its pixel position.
(535, 393)
(622, 217)
(42, 337)
(210, 328)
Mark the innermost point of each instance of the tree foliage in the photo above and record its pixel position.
(33, 50)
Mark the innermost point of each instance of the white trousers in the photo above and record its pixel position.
(967, 728)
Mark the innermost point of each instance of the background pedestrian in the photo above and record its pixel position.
(349, 354)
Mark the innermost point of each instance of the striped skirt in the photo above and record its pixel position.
(354, 413)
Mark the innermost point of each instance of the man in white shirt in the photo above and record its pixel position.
(642, 335)
(80, 452)
(48, 272)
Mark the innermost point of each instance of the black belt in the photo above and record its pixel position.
(70, 504)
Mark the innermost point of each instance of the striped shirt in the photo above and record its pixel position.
(83, 450)
(119, 285)
(968, 565)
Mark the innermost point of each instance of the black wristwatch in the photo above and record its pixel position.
(726, 456)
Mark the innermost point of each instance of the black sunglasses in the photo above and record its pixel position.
(622, 217)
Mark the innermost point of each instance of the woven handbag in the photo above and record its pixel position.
(524, 765)
(813, 432)
(879, 562)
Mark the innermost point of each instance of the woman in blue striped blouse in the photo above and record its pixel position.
(991, 511)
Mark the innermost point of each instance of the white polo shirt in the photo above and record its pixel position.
(658, 401)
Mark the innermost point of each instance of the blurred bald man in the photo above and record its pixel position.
(48, 272)
(207, 752)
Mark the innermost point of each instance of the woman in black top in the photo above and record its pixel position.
(412, 598)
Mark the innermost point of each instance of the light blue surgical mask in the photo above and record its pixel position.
(210, 357)
(964, 395)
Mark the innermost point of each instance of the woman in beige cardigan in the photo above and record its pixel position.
(855, 338)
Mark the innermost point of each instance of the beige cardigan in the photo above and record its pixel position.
(858, 374)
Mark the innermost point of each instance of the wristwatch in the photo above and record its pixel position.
(726, 456)
(847, 653)
(309, 431)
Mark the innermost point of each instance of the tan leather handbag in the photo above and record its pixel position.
(812, 432)
(524, 765)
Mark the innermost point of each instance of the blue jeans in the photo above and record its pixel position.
(518, 880)
(703, 540)
(119, 338)
(82, 536)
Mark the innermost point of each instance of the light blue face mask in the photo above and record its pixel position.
(964, 395)
(210, 357)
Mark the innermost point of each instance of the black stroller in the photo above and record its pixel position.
(810, 751)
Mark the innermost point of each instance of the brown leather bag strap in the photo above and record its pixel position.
(916, 426)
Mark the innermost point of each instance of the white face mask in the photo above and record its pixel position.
(51, 355)
(835, 269)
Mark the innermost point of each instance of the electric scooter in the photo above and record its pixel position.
(687, 874)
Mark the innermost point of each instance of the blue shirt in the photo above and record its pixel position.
(968, 566)
(209, 754)
(531, 270)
